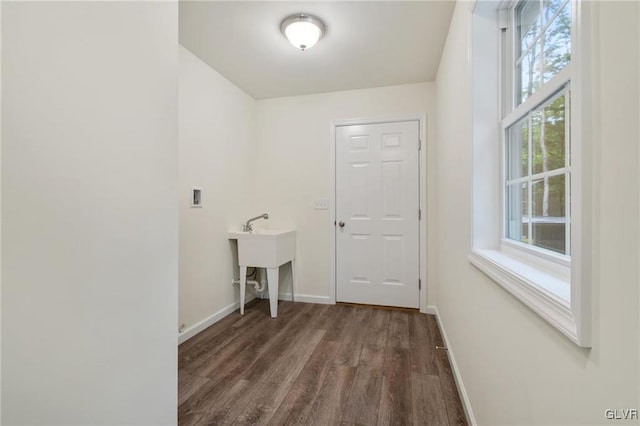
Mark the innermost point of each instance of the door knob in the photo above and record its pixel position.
(341, 224)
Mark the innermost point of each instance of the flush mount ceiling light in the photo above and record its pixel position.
(302, 30)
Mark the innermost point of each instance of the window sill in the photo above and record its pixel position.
(545, 293)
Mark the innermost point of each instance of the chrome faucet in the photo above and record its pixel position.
(247, 226)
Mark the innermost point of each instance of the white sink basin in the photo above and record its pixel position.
(265, 248)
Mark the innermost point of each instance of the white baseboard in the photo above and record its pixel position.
(309, 298)
(304, 298)
(209, 321)
(466, 403)
(431, 310)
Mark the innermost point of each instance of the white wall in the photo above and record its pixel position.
(268, 156)
(216, 135)
(90, 221)
(249, 158)
(517, 368)
(292, 166)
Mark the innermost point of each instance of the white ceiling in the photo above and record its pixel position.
(367, 44)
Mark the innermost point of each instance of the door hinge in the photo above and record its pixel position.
(419, 214)
(419, 284)
(419, 144)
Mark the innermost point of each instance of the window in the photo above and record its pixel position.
(537, 177)
(530, 153)
(538, 174)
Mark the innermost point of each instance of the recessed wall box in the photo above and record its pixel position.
(196, 197)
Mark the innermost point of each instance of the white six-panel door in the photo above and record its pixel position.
(377, 202)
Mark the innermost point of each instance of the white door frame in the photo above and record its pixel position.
(422, 195)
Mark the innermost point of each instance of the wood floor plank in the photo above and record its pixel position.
(324, 315)
(291, 361)
(428, 402)
(256, 308)
(248, 344)
(318, 364)
(455, 411)
(367, 388)
(355, 331)
(272, 355)
(399, 330)
(226, 368)
(327, 317)
(396, 400)
(295, 408)
(329, 404)
(188, 385)
(259, 403)
(380, 319)
(203, 343)
(192, 357)
(193, 407)
(334, 323)
(192, 347)
(422, 355)
(217, 411)
(435, 330)
(218, 365)
(375, 341)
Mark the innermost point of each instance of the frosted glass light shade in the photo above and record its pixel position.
(303, 35)
(303, 31)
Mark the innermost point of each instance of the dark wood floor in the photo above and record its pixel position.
(318, 365)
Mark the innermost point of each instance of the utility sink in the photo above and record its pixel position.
(265, 248)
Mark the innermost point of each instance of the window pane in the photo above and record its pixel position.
(548, 137)
(517, 211)
(550, 9)
(549, 218)
(528, 23)
(542, 45)
(528, 72)
(518, 150)
(556, 41)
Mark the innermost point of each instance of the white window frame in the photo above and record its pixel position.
(555, 287)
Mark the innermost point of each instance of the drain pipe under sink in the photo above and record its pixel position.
(259, 286)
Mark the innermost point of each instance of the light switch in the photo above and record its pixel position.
(321, 204)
